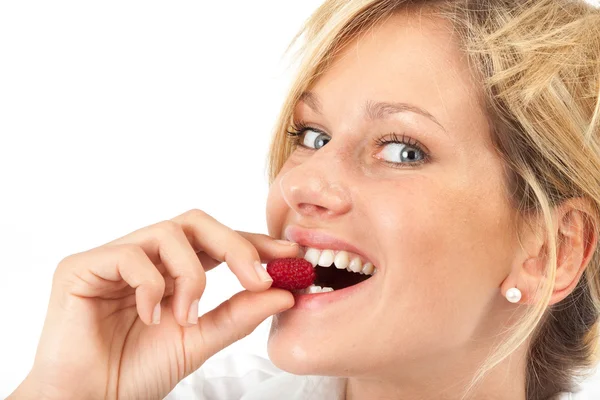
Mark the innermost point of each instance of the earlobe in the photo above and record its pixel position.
(524, 278)
(513, 295)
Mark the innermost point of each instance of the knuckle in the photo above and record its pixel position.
(228, 318)
(130, 252)
(194, 279)
(229, 322)
(72, 261)
(168, 228)
(248, 250)
(66, 262)
(156, 282)
(195, 214)
(243, 247)
(63, 266)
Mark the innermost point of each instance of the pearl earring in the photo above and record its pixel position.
(513, 295)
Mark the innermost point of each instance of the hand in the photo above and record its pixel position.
(101, 337)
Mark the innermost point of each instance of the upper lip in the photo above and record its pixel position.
(321, 240)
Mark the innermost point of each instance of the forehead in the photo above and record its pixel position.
(409, 57)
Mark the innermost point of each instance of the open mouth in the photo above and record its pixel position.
(336, 270)
(336, 278)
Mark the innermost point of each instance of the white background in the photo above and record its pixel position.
(118, 114)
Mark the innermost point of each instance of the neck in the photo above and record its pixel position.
(443, 379)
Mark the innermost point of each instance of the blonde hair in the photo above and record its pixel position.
(539, 65)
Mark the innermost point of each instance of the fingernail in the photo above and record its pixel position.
(262, 273)
(156, 314)
(286, 242)
(193, 313)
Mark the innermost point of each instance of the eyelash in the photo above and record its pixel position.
(299, 127)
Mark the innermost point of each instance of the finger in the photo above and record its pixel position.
(269, 248)
(166, 243)
(233, 320)
(116, 263)
(207, 261)
(129, 301)
(224, 244)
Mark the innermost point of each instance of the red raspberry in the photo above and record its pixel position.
(291, 273)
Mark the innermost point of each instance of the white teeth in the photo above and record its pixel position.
(355, 265)
(341, 260)
(316, 289)
(312, 256)
(367, 269)
(326, 258)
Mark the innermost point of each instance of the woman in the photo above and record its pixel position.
(451, 147)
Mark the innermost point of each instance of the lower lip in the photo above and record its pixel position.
(314, 301)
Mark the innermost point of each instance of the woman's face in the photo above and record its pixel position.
(434, 218)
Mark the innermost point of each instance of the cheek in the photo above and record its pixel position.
(434, 222)
(446, 249)
(422, 239)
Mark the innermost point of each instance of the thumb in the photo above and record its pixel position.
(235, 319)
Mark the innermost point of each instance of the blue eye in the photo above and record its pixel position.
(314, 140)
(308, 137)
(402, 153)
(399, 152)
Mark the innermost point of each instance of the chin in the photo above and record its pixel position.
(298, 353)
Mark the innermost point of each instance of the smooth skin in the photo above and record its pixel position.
(103, 337)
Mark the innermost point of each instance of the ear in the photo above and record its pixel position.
(577, 241)
(577, 237)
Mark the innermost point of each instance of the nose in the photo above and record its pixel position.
(317, 187)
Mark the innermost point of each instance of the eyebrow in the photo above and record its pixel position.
(373, 110)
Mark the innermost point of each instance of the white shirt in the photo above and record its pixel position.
(251, 377)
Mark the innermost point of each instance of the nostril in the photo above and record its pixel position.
(311, 209)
